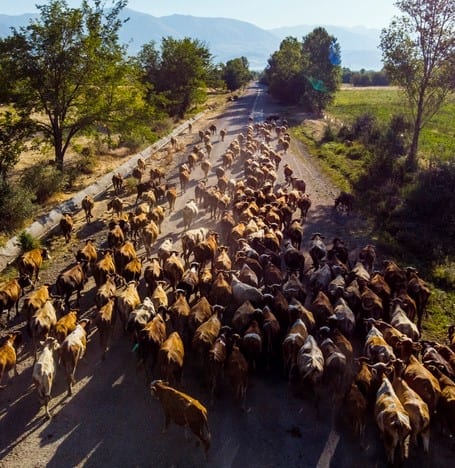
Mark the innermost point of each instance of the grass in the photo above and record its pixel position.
(437, 138)
(343, 165)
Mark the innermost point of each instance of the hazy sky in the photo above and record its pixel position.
(263, 13)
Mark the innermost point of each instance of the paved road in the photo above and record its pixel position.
(111, 420)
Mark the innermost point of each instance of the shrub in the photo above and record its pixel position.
(130, 185)
(86, 163)
(15, 207)
(43, 180)
(328, 134)
(27, 241)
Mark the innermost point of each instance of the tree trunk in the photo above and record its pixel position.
(58, 151)
(411, 160)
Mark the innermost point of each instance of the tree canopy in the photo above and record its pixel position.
(306, 72)
(236, 73)
(418, 51)
(177, 73)
(64, 68)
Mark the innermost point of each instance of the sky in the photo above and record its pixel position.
(263, 13)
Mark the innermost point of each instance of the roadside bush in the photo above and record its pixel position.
(444, 275)
(44, 180)
(130, 185)
(15, 207)
(328, 135)
(27, 241)
(365, 129)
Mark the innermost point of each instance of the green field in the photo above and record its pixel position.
(342, 163)
(437, 138)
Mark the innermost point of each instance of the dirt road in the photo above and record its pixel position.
(112, 420)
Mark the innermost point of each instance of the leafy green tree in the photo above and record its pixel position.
(284, 72)
(64, 67)
(13, 131)
(321, 67)
(236, 73)
(177, 73)
(418, 51)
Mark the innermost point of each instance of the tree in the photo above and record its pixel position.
(284, 72)
(13, 131)
(64, 67)
(177, 73)
(236, 73)
(418, 51)
(321, 68)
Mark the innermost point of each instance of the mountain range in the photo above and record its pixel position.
(229, 38)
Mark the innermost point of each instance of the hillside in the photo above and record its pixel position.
(229, 38)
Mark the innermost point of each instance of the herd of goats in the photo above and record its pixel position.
(243, 296)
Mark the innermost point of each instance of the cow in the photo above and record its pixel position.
(190, 239)
(344, 202)
(29, 263)
(354, 409)
(401, 321)
(88, 203)
(71, 280)
(184, 177)
(42, 323)
(106, 291)
(8, 354)
(423, 382)
(367, 256)
(133, 270)
(149, 236)
(127, 301)
(104, 268)
(116, 205)
(189, 212)
(392, 420)
(123, 255)
(419, 291)
(318, 250)
(205, 335)
(65, 325)
(376, 348)
(72, 350)
(184, 410)
(117, 182)
(174, 269)
(171, 196)
(140, 316)
(205, 251)
(104, 319)
(66, 226)
(417, 409)
(11, 292)
(170, 359)
(165, 250)
(115, 236)
(34, 301)
(149, 341)
(87, 254)
(44, 371)
(157, 216)
(291, 345)
(152, 274)
(310, 366)
(335, 368)
(237, 371)
(179, 313)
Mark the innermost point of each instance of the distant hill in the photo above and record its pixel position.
(228, 38)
